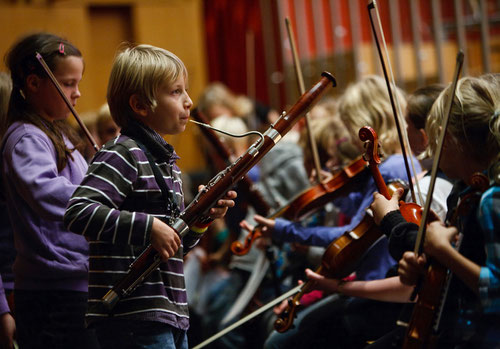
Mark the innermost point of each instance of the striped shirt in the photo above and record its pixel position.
(114, 208)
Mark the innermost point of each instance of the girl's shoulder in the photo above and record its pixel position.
(20, 130)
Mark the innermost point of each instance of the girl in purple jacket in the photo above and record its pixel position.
(41, 167)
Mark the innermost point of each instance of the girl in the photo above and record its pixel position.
(41, 168)
(364, 103)
(471, 312)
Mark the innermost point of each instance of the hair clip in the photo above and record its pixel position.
(61, 48)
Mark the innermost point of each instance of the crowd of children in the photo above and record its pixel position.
(77, 220)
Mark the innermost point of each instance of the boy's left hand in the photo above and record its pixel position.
(223, 204)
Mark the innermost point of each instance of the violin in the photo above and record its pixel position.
(424, 322)
(410, 211)
(422, 329)
(343, 255)
(340, 259)
(310, 200)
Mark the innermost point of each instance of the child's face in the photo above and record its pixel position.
(416, 137)
(47, 101)
(172, 111)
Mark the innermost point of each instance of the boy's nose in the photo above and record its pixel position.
(188, 102)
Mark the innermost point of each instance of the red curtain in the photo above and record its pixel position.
(227, 23)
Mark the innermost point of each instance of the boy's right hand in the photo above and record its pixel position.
(164, 239)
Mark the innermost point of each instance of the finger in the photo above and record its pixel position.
(263, 221)
(231, 194)
(225, 203)
(177, 241)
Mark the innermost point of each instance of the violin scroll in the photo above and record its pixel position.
(240, 249)
(370, 139)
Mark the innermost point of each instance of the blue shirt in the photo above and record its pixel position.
(489, 278)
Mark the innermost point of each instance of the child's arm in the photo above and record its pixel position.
(93, 209)
(402, 234)
(385, 290)
(36, 179)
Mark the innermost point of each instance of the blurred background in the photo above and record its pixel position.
(244, 43)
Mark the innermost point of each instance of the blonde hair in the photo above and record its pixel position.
(5, 90)
(140, 70)
(367, 103)
(474, 120)
(231, 124)
(328, 132)
(217, 94)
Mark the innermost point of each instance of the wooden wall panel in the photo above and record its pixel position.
(97, 27)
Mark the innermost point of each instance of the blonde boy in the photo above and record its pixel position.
(132, 189)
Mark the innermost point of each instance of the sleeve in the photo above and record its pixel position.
(489, 277)
(402, 234)
(93, 209)
(354, 203)
(36, 178)
(4, 306)
(287, 231)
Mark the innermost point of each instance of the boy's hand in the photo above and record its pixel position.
(223, 204)
(411, 267)
(164, 239)
(381, 206)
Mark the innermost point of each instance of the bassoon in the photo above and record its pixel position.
(197, 210)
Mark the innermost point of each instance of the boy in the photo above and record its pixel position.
(121, 206)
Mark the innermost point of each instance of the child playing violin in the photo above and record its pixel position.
(391, 289)
(471, 311)
(363, 103)
(132, 189)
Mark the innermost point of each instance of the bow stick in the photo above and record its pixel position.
(403, 137)
(68, 103)
(300, 81)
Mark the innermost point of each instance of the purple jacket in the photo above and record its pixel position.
(49, 257)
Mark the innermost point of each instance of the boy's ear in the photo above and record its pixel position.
(138, 106)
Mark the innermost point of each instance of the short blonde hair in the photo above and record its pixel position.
(140, 70)
(474, 120)
(367, 103)
(232, 124)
